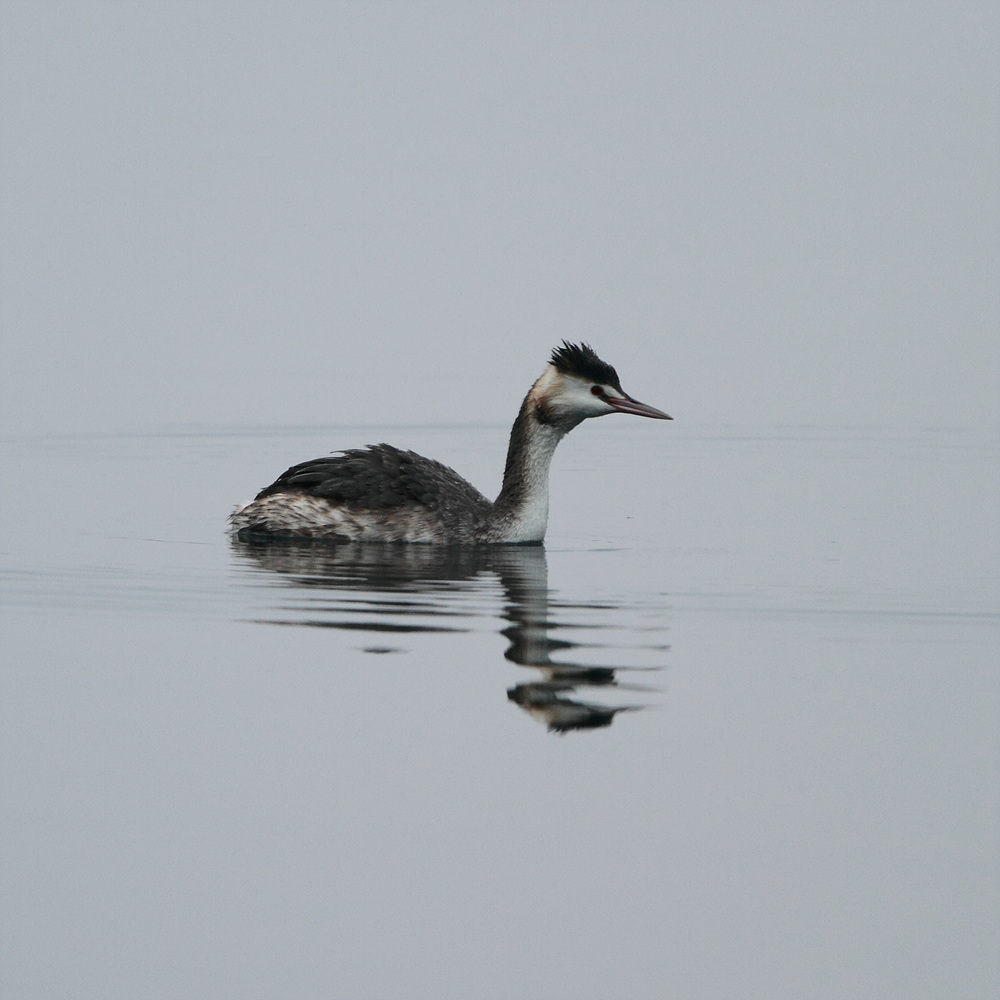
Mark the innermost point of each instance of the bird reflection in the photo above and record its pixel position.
(355, 586)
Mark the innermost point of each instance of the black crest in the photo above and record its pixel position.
(581, 361)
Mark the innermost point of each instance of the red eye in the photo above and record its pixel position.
(597, 390)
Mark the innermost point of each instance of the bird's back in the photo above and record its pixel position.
(380, 492)
(377, 478)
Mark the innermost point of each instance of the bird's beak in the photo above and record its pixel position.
(626, 404)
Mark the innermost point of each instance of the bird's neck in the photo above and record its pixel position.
(523, 503)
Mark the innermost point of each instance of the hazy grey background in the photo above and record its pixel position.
(237, 236)
(306, 212)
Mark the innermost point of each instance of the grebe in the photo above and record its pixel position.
(384, 494)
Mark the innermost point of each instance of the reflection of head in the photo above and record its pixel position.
(545, 701)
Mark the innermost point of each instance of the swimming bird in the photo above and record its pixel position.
(383, 494)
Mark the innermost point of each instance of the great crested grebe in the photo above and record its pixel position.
(384, 494)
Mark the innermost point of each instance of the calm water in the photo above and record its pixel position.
(731, 733)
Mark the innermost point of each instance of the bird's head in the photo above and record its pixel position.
(578, 384)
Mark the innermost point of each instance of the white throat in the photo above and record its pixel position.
(530, 516)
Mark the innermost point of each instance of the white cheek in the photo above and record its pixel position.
(594, 406)
(603, 406)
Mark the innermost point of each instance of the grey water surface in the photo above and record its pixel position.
(730, 733)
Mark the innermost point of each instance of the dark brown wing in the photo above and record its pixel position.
(379, 477)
